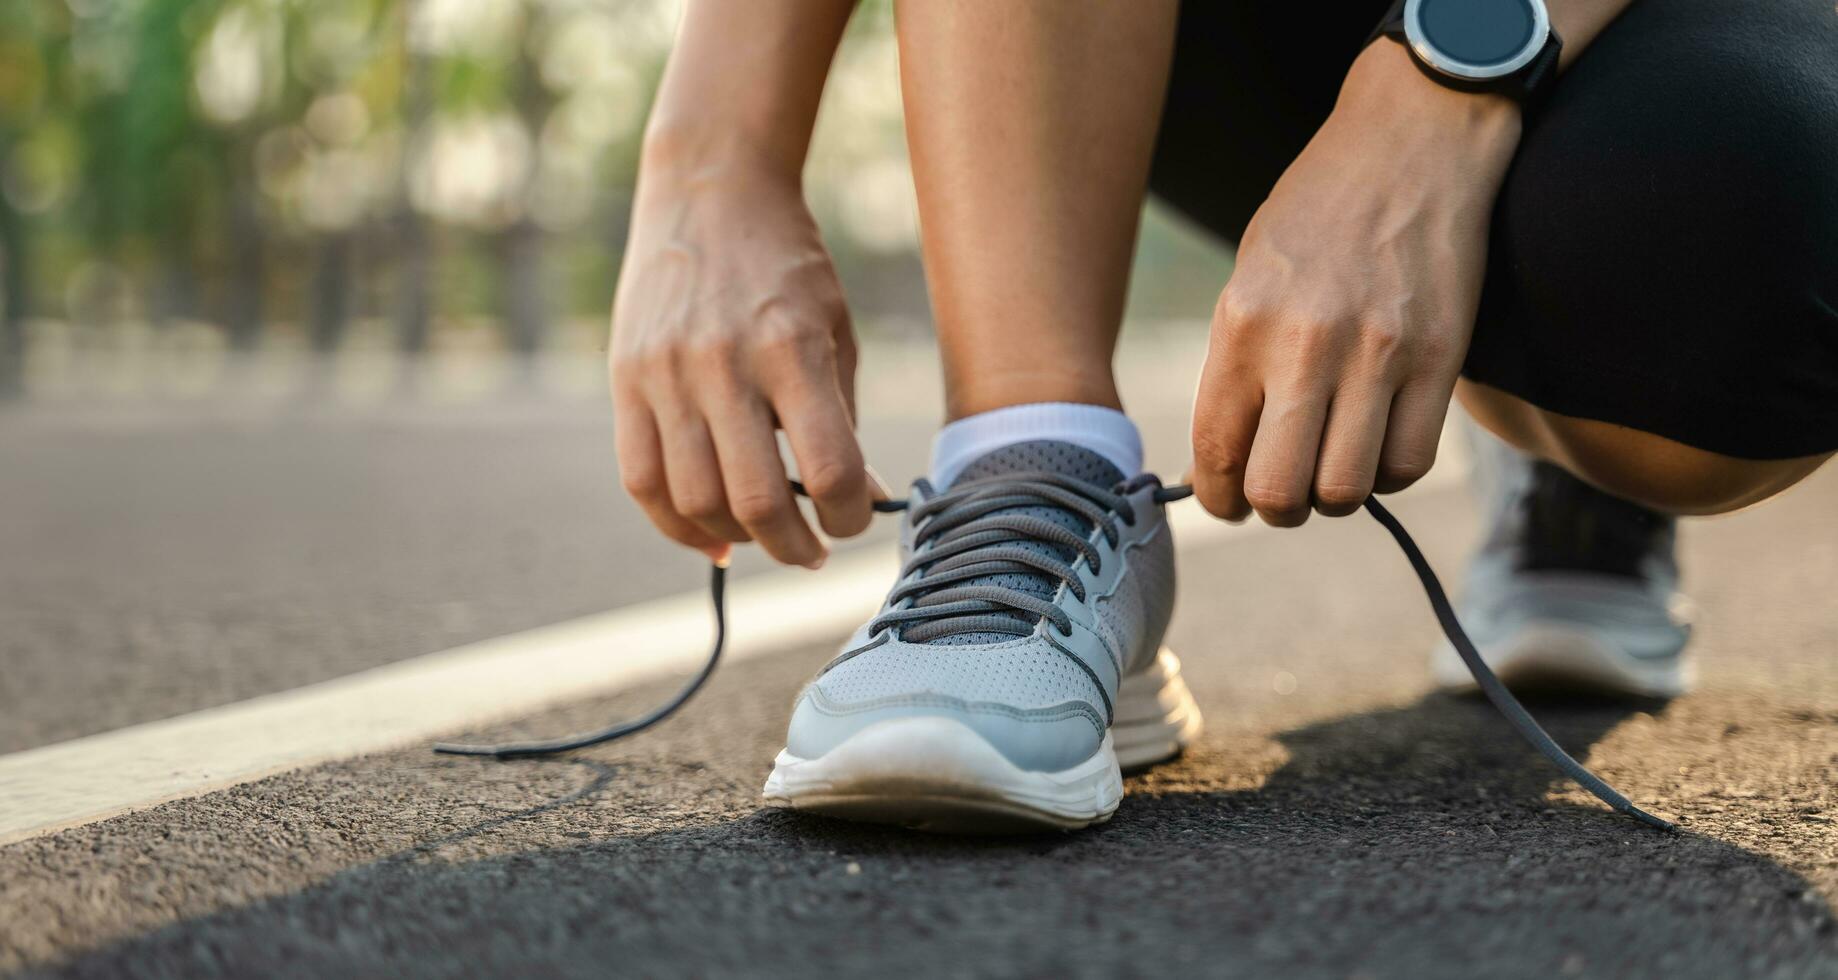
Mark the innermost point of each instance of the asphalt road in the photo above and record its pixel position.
(158, 557)
(169, 563)
(1355, 826)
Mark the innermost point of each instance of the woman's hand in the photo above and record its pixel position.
(1336, 345)
(728, 324)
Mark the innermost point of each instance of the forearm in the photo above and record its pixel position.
(744, 82)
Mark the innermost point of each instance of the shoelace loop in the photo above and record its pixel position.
(1496, 692)
(969, 534)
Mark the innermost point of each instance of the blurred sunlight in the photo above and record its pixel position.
(202, 194)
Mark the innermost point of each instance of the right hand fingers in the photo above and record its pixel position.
(642, 471)
(705, 490)
(693, 472)
(754, 478)
(711, 433)
(813, 408)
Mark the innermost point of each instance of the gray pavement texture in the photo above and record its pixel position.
(161, 562)
(157, 560)
(158, 557)
(1358, 826)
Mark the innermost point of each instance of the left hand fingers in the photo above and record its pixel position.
(1413, 433)
(1353, 418)
(1281, 470)
(1225, 413)
(1351, 445)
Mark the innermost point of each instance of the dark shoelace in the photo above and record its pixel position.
(979, 537)
(945, 605)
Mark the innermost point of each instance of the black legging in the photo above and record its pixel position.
(1665, 249)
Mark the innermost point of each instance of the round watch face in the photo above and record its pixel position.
(1477, 39)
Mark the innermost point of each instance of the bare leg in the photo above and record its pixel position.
(1639, 466)
(1031, 126)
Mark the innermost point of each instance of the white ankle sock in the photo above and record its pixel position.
(1104, 431)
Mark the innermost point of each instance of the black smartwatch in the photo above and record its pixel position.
(1505, 47)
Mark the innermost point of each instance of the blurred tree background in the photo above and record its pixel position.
(313, 175)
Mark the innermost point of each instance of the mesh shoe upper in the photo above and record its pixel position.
(1038, 687)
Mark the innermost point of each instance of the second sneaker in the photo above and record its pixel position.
(1573, 589)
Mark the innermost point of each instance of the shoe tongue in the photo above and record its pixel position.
(1050, 456)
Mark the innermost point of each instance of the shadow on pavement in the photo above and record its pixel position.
(1414, 841)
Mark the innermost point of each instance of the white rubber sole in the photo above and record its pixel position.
(1555, 658)
(936, 774)
(1156, 717)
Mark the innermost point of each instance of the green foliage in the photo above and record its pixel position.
(208, 142)
(145, 157)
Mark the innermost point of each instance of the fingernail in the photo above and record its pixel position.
(880, 491)
(818, 563)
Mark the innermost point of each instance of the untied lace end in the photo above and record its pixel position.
(1496, 692)
(717, 590)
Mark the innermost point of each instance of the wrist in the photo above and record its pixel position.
(1387, 93)
(683, 150)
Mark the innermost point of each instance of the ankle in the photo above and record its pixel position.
(1007, 390)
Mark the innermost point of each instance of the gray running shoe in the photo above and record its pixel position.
(1017, 664)
(1573, 589)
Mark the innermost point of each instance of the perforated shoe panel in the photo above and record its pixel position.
(1021, 672)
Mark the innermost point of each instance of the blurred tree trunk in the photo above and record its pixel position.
(521, 245)
(15, 283)
(178, 286)
(415, 271)
(414, 261)
(244, 309)
(331, 298)
(525, 307)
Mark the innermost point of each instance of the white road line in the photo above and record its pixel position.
(100, 775)
(72, 783)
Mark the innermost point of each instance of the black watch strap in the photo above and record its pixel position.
(1529, 86)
